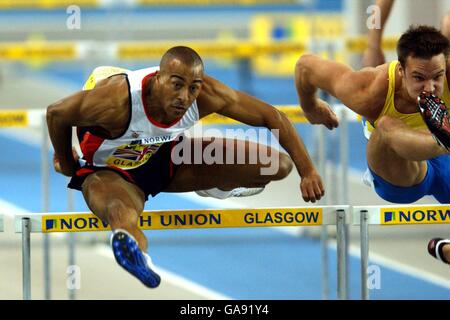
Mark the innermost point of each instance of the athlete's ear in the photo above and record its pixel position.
(158, 78)
(401, 71)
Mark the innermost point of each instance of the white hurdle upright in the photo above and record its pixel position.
(190, 219)
(389, 216)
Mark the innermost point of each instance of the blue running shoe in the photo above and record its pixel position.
(131, 258)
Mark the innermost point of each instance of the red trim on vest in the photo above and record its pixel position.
(123, 172)
(89, 145)
(85, 171)
(153, 121)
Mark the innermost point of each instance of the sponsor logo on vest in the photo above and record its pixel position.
(132, 155)
(151, 140)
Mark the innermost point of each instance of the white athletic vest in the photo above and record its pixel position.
(144, 135)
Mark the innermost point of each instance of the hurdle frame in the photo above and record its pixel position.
(36, 118)
(373, 215)
(331, 215)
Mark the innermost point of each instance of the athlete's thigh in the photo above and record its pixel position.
(223, 162)
(391, 167)
(225, 151)
(105, 188)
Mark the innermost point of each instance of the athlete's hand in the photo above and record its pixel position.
(321, 113)
(373, 57)
(57, 164)
(311, 187)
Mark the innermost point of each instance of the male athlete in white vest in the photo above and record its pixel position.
(128, 124)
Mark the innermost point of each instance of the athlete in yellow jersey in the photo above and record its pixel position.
(402, 155)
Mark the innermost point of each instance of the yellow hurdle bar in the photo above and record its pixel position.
(403, 215)
(46, 4)
(46, 50)
(54, 4)
(235, 48)
(188, 219)
(212, 2)
(21, 117)
(14, 118)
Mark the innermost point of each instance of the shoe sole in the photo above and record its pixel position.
(435, 115)
(128, 256)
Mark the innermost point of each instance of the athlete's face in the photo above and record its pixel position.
(424, 75)
(180, 86)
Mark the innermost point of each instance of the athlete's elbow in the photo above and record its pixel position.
(304, 70)
(275, 120)
(50, 112)
(304, 62)
(53, 114)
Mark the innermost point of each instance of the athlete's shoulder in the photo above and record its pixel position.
(377, 89)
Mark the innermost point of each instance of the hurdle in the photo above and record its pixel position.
(189, 219)
(35, 118)
(392, 215)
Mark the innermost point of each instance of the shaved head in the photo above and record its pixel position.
(185, 55)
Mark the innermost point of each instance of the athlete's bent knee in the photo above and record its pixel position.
(387, 127)
(120, 216)
(389, 124)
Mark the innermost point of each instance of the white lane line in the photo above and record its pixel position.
(175, 279)
(9, 209)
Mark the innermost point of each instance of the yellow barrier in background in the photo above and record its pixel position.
(34, 117)
(46, 4)
(146, 50)
(55, 4)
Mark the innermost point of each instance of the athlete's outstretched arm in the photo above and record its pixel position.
(360, 91)
(219, 98)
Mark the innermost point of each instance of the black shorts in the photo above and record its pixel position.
(152, 177)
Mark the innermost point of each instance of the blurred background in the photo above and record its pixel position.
(48, 49)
